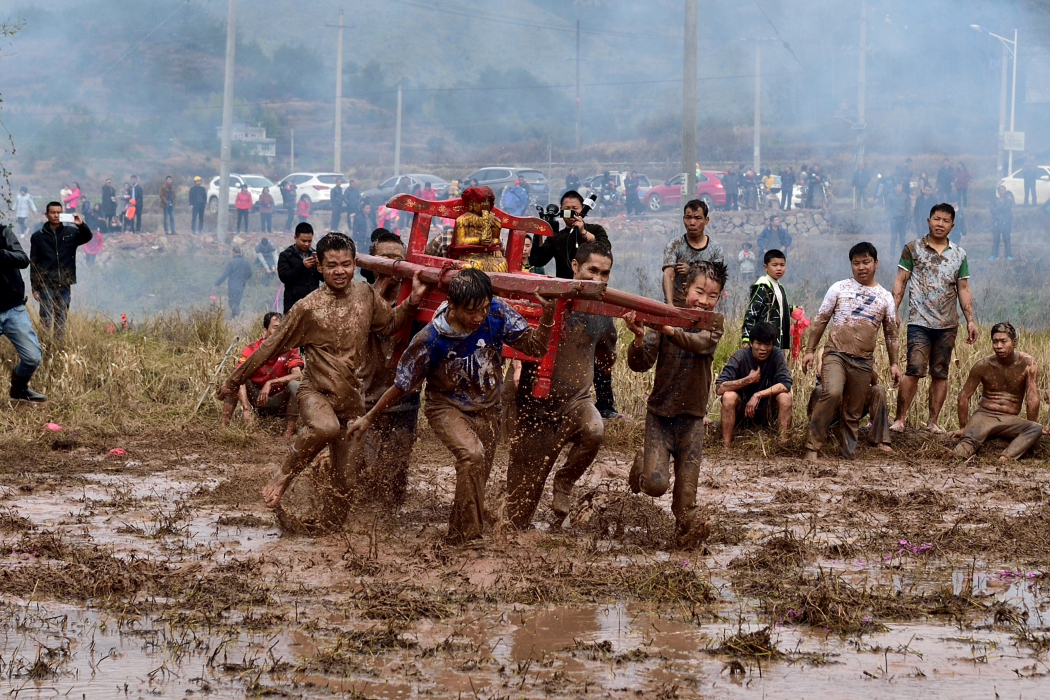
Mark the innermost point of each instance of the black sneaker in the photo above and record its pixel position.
(609, 413)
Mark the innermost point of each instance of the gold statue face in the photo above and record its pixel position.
(488, 204)
(475, 207)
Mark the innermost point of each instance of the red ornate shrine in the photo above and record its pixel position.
(518, 287)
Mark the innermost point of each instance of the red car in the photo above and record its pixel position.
(708, 189)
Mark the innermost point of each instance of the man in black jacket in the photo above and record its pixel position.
(945, 176)
(139, 195)
(561, 247)
(336, 201)
(198, 198)
(297, 267)
(53, 259)
(351, 204)
(787, 187)
(14, 319)
(109, 202)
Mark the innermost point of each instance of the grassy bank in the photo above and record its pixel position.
(104, 382)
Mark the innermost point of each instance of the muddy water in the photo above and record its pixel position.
(618, 650)
(600, 650)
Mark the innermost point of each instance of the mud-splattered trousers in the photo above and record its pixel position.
(984, 424)
(680, 438)
(542, 429)
(845, 381)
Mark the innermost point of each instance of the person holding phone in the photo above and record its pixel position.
(53, 265)
(297, 267)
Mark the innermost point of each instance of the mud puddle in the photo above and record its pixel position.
(52, 649)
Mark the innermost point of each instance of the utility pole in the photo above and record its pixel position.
(223, 224)
(757, 161)
(689, 98)
(1002, 115)
(1013, 101)
(862, 80)
(577, 87)
(397, 134)
(338, 167)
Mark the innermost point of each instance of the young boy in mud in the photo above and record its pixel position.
(567, 416)
(875, 406)
(674, 421)
(388, 443)
(460, 356)
(855, 308)
(332, 326)
(1007, 378)
(755, 385)
(768, 302)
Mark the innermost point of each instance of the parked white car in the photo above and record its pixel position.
(255, 183)
(316, 186)
(1015, 185)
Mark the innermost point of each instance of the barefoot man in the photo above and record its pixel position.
(940, 281)
(332, 325)
(1007, 378)
(856, 309)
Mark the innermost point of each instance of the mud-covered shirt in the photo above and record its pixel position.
(466, 369)
(934, 292)
(680, 251)
(682, 382)
(855, 313)
(333, 330)
(587, 340)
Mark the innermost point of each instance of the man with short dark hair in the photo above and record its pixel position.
(939, 273)
(332, 325)
(774, 236)
(572, 182)
(139, 195)
(923, 203)
(731, 183)
(630, 194)
(337, 201)
(566, 417)
(236, 275)
(1030, 175)
(682, 253)
(861, 180)
(1002, 221)
(945, 175)
(787, 187)
(768, 302)
(297, 267)
(1007, 379)
(755, 386)
(14, 318)
(53, 266)
(856, 309)
(198, 197)
(561, 247)
(167, 204)
(898, 208)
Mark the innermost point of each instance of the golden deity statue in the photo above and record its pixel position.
(475, 238)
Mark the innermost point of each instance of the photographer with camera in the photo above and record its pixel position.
(570, 232)
(297, 267)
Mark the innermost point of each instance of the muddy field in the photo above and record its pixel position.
(159, 572)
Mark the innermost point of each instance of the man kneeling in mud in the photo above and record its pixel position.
(332, 326)
(677, 406)
(460, 356)
(567, 415)
(1007, 378)
(388, 443)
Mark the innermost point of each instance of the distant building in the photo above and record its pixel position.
(254, 138)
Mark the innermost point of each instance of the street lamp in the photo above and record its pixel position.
(1010, 46)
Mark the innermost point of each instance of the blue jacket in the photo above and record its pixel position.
(515, 201)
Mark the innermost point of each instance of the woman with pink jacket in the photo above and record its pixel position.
(73, 198)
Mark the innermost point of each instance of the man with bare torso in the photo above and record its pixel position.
(1007, 379)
